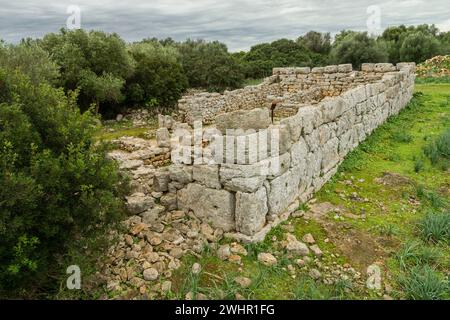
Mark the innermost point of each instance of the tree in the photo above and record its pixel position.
(159, 77)
(90, 59)
(101, 89)
(357, 48)
(262, 58)
(317, 42)
(210, 65)
(55, 183)
(419, 46)
(30, 59)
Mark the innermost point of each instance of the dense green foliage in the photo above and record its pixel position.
(55, 184)
(357, 48)
(151, 73)
(210, 65)
(94, 62)
(159, 77)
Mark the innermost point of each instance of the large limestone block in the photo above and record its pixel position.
(294, 124)
(299, 153)
(314, 162)
(216, 207)
(384, 67)
(283, 190)
(139, 202)
(229, 171)
(208, 175)
(330, 155)
(251, 211)
(180, 173)
(244, 184)
(311, 117)
(244, 119)
(163, 137)
(161, 181)
(332, 108)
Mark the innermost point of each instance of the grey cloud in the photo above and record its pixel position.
(238, 23)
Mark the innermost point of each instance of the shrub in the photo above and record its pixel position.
(159, 77)
(95, 62)
(55, 184)
(357, 48)
(210, 65)
(262, 58)
(419, 46)
(30, 59)
(418, 165)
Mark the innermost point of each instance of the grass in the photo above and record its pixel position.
(435, 227)
(438, 150)
(432, 80)
(111, 130)
(425, 283)
(252, 82)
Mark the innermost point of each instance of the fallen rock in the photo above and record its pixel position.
(267, 259)
(166, 286)
(224, 252)
(235, 258)
(151, 274)
(243, 282)
(139, 202)
(238, 249)
(296, 247)
(196, 268)
(315, 274)
(308, 238)
(316, 250)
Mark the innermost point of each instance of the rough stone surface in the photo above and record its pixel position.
(296, 247)
(215, 206)
(251, 211)
(151, 274)
(267, 259)
(253, 119)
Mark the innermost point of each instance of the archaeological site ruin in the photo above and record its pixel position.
(228, 161)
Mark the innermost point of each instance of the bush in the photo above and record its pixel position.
(159, 77)
(262, 58)
(419, 46)
(94, 62)
(55, 184)
(210, 65)
(30, 59)
(357, 48)
(435, 226)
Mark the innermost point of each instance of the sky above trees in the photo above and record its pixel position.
(238, 23)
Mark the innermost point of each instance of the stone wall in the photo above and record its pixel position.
(249, 192)
(290, 86)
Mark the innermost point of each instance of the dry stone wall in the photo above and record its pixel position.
(291, 86)
(261, 183)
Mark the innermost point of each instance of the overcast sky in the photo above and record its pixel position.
(238, 23)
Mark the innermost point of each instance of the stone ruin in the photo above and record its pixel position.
(222, 160)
